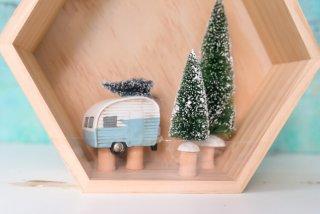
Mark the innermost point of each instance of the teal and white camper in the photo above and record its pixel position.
(122, 122)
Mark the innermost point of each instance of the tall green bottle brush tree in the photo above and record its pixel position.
(218, 75)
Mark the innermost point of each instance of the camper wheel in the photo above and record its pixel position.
(118, 147)
(154, 147)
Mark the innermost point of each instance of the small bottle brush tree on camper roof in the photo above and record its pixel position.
(190, 115)
(131, 87)
(217, 70)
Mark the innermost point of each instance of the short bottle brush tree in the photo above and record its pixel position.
(190, 114)
(218, 75)
(189, 120)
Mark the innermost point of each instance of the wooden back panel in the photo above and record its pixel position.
(92, 41)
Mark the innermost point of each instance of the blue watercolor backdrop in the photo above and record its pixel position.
(19, 124)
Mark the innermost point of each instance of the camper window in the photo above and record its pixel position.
(91, 122)
(109, 122)
(86, 121)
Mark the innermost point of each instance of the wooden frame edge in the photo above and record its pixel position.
(20, 28)
(160, 186)
(303, 28)
(312, 66)
(19, 68)
(287, 38)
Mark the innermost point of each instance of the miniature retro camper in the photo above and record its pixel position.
(121, 123)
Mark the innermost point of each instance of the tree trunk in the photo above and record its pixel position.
(188, 164)
(135, 158)
(206, 157)
(106, 160)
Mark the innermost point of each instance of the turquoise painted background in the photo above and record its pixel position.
(19, 124)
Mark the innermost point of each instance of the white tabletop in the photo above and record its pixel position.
(283, 184)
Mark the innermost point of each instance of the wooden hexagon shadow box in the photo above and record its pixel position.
(60, 50)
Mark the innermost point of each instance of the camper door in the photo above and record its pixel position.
(136, 128)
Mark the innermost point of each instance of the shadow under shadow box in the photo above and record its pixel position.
(60, 50)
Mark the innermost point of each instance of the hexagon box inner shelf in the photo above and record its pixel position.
(61, 50)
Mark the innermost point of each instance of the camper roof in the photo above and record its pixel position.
(96, 110)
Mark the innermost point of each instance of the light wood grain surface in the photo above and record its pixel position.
(112, 51)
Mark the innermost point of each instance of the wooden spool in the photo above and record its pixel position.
(188, 164)
(106, 160)
(206, 158)
(135, 158)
